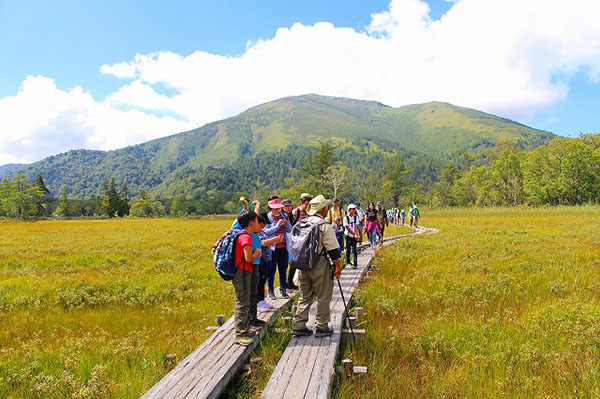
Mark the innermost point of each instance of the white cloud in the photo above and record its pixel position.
(41, 120)
(120, 70)
(510, 57)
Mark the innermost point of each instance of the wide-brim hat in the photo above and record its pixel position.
(316, 204)
(275, 204)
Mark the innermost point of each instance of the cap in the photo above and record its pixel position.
(335, 199)
(287, 202)
(351, 206)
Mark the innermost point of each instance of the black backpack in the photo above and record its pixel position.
(304, 249)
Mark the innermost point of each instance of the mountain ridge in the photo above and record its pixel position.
(431, 131)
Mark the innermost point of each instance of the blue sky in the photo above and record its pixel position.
(68, 42)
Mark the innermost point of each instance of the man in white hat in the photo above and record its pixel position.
(318, 281)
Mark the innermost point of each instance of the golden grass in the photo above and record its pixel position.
(91, 308)
(500, 303)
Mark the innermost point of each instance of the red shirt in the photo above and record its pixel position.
(238, 252)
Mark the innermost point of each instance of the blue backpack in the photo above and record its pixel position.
(223, 254)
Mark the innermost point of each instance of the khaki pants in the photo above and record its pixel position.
(315, 283)
(241, 286)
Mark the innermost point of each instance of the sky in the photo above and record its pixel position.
(104, 75)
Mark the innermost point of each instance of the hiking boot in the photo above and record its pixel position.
(271, 295)
(284, 294)
(258, 323)
(243, 340)
(324, 333)
(305, 332)
(292, 286)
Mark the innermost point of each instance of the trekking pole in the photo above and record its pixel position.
(347, 313)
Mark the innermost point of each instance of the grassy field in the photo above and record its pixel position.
(500, 303)
(90, 309)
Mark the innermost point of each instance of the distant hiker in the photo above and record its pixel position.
(279, 256)
(361, 222)
(402, 216)
(351, 231)
(338, 227)
(298, 214)
(243, 257)
(335, 211)
(371, 226)
(317, 283)
(414, 216)
(382, 220)
(260, 268)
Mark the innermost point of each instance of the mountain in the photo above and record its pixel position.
(275, 135)
(10, 167)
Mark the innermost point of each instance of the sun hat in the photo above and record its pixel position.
(316, 204)
(351, 206)
(275, 204)
(287, 202)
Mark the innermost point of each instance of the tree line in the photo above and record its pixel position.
(566, 171)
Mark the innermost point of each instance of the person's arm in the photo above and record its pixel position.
(332, 247)
(271, 241)
(271, 229)
(256, 206)
(257, 253)
(248, 256)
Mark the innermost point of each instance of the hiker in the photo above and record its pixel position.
(287, 209)
(280, 255)
(317, 283)
(371, 226)
(361, 222)
(382, 220)
(338, 227)
(298, 214)
(402, 216)
(351, 232)
(414, 216)
(243, 257)
(335, 211)
(263, 239)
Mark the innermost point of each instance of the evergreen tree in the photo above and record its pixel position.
(63, 209)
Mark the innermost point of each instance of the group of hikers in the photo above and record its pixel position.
(398, 216)
(310, 239)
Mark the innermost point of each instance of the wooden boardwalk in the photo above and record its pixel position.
(307, 367)
(206, 371)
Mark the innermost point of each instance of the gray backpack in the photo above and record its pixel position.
(304, 249)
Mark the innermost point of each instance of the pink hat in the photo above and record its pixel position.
(275, 204)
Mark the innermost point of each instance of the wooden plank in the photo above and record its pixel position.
(207, 370)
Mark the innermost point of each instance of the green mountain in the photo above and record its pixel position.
(268, 143)
(10, 167)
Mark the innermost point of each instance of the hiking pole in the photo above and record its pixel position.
(347, 313)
